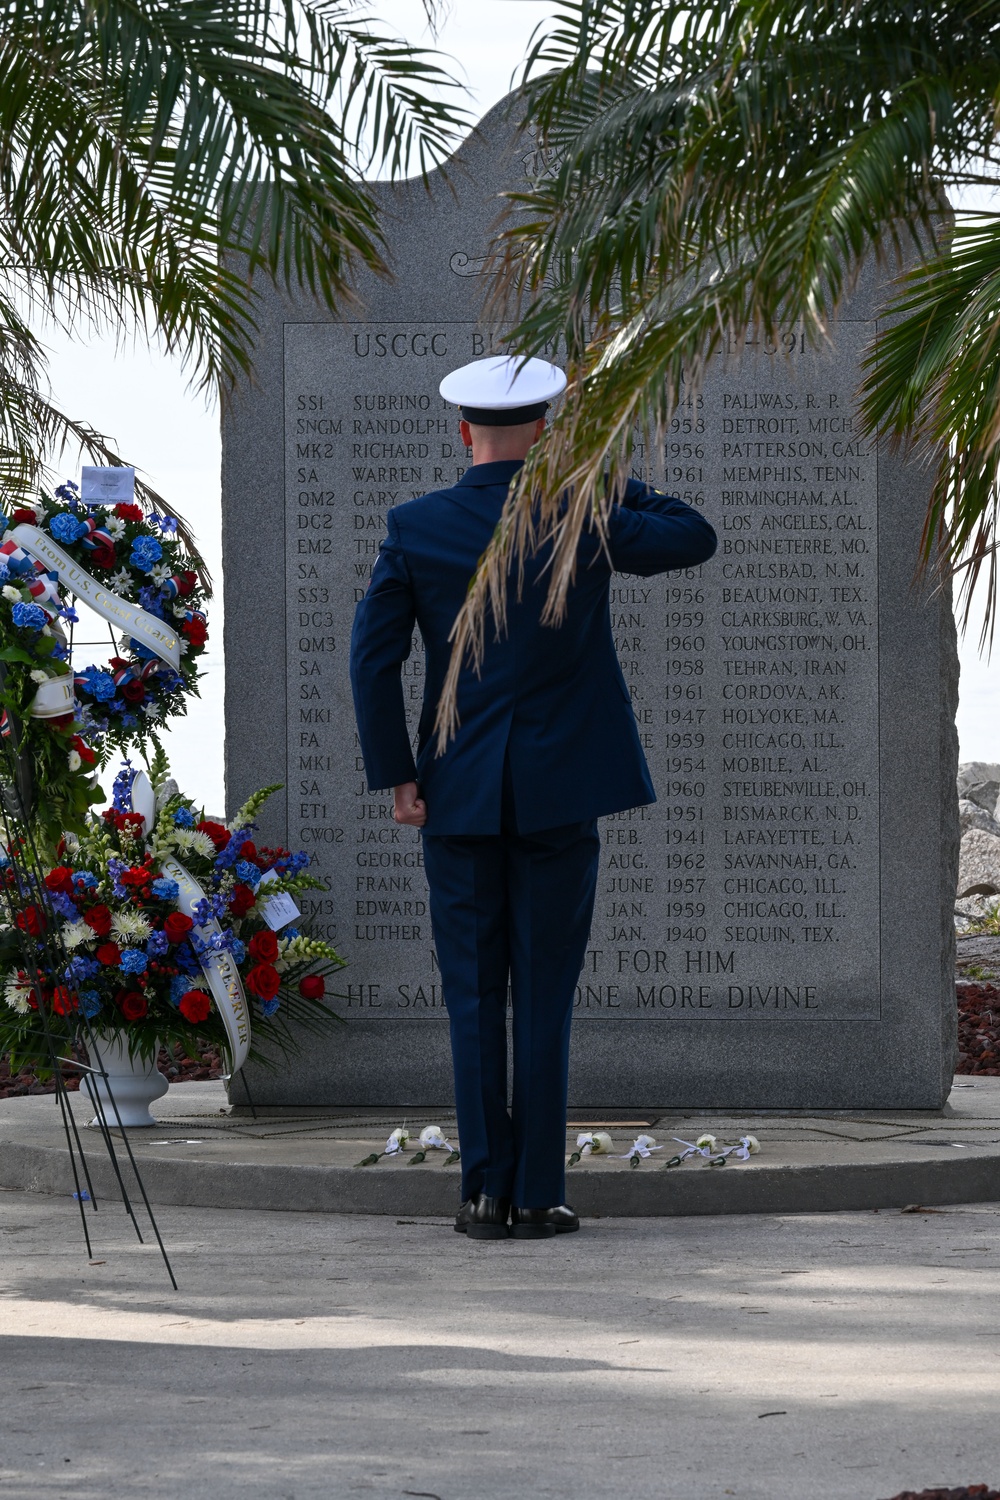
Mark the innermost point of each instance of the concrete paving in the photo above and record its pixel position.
(313, 1357)
(203, 1154)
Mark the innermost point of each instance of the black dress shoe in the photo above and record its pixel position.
(483, 1218)
(543, 1223)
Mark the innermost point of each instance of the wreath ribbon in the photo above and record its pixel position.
(219, 968)
(152, 633)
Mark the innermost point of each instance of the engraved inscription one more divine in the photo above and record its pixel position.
(750, 681)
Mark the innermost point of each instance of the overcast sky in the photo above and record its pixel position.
(140, 398)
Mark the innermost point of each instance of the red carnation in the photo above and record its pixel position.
(22, 516)
(133, 1006)
(249, 850)
(98, 919)
(64, 1002)
(217, 832)
(138, 875)
(196, 631)
(263, 981)
(264, 947)
(128, 512)
(241, 900)
(31, 921)
(83, 750)
(103, 556)
(312, 987)
(60, 879)
(177, 926)
(194, 1006)
(108, 953)
(134, 692)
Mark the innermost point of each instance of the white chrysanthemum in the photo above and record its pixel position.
(73, 760)
(114, 526)
(195, 840)
(11, 594)
(151, 710)
(39, 676)
(160, 573)
(75, 933)
(706, 1142)
(16, 992)
(122, 580)
(183, 646)
(130, 927)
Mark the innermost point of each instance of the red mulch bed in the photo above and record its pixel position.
(978, 1040)
(964, 1492)
(178, 1068)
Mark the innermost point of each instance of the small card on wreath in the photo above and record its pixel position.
(107, 486)
(280, 909)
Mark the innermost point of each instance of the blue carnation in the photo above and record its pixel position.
(29, 616)
(84, 880)
(237, 949)
(146, 553)
(134, 961)
(90, 1002)
(247, 872)
(268, 1007)
(290, 932)
(100, 685)
(66, 528)
(183, 818)
(165, 890)
(179, 986)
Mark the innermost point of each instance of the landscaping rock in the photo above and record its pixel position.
(979, 782)
(971, 815)
(979, 864)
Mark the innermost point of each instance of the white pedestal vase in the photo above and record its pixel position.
(134, 1083)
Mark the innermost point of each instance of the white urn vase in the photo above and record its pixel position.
(134, 1084)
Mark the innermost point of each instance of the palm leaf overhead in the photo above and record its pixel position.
(157, 157)
(722, 173)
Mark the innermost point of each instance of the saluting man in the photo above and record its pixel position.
(547, 744)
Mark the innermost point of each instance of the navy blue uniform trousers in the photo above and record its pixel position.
(512, 908)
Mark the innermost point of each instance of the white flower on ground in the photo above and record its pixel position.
(73, 760)
(12, 595)
(706, 1142)
(396, 1141)
(598, 1143)
(641, 1147)
(39, 676)
(432, 1136)
(130, 927)
(750, 1143)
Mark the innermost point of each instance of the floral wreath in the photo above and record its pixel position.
(57, 729)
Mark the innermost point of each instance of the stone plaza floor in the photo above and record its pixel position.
(843, 1356)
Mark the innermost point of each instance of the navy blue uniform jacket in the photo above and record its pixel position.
(552, 699)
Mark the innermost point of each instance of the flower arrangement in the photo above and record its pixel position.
(35, 678)
(143, 561)
(103, 934)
